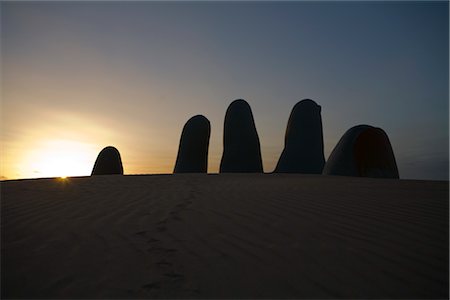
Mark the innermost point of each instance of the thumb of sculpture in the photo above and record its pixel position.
(363, 151)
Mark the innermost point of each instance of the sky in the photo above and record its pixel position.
(79, 76)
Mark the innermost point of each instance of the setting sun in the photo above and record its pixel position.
(59, 158)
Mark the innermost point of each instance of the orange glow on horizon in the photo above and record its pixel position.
(58, 158)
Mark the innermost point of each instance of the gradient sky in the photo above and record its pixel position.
(78, 76)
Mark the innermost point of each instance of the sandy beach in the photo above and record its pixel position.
(224, 236)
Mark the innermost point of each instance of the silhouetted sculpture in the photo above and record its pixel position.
(363, 151)
(241, 148)
(108, 162)
(193, 150)
(303, 143)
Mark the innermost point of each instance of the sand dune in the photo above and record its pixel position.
(224, 236)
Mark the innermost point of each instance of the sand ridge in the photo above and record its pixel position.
(224, 236)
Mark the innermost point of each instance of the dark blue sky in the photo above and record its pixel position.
(131, 74)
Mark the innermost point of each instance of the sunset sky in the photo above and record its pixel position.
(79, 76)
